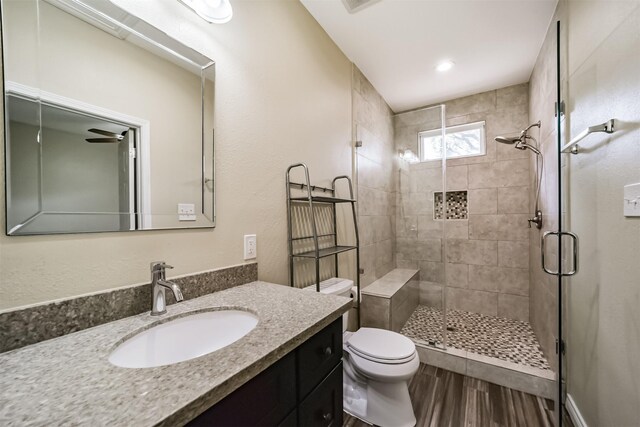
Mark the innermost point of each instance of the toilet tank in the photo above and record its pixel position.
(336, 286)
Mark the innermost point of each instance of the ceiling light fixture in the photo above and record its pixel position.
(445, 66)
(214, 11)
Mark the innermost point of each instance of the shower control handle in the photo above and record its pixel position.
(537, 220)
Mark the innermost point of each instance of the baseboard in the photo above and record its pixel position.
(574, 412)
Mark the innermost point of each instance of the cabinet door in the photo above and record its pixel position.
(264, 401)
(291, 420)
(318, 356)
(323, 406)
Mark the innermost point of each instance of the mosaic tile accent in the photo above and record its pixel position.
(457, 206)
(505, 339)
(25, 326)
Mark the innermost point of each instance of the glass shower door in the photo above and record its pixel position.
(420, 227)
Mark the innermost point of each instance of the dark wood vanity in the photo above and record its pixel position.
(304, 388)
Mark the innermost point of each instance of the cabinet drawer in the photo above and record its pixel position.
(323, 406)
(318, 356)
(264, 401)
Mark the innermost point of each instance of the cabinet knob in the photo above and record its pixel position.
(327, 417)
(328, 351)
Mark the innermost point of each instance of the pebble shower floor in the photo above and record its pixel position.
(505, 339)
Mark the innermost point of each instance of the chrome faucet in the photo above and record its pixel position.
(159, 284)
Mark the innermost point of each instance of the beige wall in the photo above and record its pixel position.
(486, 255)
(600, 63)
(376, 171)
(283, 95)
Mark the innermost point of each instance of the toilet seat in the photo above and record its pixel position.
(381, 346)
(381, 360)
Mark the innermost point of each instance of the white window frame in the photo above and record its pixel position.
(453, 129)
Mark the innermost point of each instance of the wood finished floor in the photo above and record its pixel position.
(445, 399)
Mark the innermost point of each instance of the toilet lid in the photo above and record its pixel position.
(381, 344)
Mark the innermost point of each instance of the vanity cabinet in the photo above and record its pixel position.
(304, 388)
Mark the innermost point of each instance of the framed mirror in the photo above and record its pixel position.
(108, 122)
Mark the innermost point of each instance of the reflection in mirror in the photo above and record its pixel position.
(109, 122)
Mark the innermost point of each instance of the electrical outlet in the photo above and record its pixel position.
(186, 212)
(250, 246)
(632, 200)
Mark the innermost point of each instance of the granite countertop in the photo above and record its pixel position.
(69, 380)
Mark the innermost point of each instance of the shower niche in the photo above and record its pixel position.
(454, 207)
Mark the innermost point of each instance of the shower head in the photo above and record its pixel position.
(506, 140)
(520, 141)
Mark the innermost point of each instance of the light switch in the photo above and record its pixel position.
(186, 212)
(632, 200)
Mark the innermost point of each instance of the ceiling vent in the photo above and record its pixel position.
(354, 6)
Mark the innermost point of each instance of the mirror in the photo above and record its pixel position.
(108, 122)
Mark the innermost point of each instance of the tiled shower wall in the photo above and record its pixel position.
(487, 255)
(543, 305)
(376, 171)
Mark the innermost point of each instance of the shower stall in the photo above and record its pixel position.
(464, 214)
(462, 219)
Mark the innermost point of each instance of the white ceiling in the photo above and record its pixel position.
(398, 43)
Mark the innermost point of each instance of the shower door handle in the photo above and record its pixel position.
(574, 251)
(542, 251)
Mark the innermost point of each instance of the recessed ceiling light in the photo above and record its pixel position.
(445, 66)
(214, 11)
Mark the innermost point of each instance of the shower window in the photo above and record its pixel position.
(462, 141)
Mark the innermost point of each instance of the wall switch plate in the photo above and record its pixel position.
(186, 212)
(632, 200)
(250, 246)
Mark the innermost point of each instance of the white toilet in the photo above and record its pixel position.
(378, 365)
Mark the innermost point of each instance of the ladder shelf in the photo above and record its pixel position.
(329, 199)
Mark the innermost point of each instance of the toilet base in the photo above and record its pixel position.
(379, 403)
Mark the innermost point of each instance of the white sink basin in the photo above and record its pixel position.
(184, 338)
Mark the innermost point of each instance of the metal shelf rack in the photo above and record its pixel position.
(329, 198)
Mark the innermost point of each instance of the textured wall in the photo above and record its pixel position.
(283, 95)
(601, 62)
(376, 171)
(486, 255)
(600, 65)
(543, 306)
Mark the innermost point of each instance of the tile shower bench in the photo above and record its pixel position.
(388, 302)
